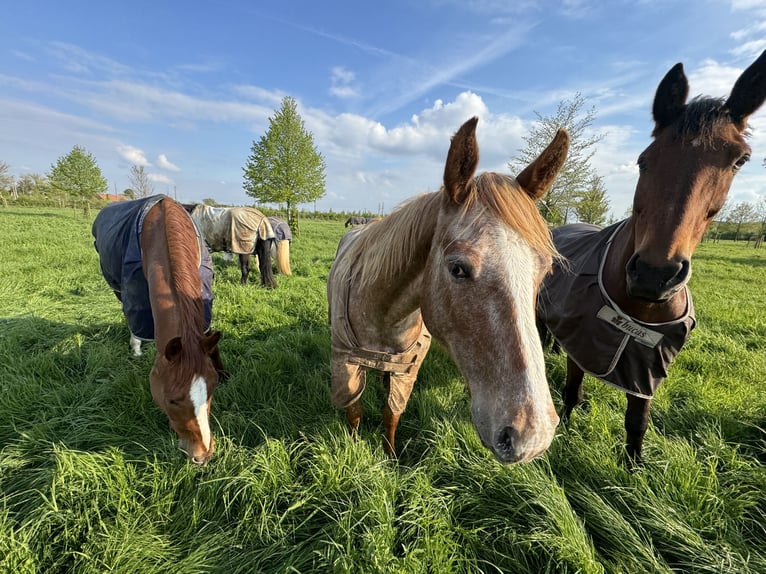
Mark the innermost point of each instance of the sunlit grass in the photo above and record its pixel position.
(91, 479)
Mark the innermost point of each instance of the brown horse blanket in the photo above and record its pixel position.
(117, 233)
(232, 229)
(350, 360)
(601, 339)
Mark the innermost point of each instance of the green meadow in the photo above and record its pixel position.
(91, 479)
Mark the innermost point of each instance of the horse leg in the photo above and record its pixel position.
(135, 345)
(636, 423)
(399, 388)
(572, 388)
(263, 251)
(244, 267)
(354, 413)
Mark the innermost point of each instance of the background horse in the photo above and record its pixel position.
(152, 257)
(280, 249)
(620, 308)
(463, 263)
(355, 220)
(240, 230)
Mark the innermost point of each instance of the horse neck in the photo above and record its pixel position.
(174, 289)
(397, 249)
(615, 283)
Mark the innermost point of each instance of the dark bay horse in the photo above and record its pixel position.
(620, 308)
(356, 220)
(463, 263)
(241, 230)
(152, 257)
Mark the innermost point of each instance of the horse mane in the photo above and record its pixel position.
(701, 119)
(385, 247)
(184, 259)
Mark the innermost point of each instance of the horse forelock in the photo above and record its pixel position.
(504, 198)
(184, 260)
(702, 120)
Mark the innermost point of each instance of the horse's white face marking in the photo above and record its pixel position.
(198, 397)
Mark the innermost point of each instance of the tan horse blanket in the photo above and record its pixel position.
(603, 340)
(350, 360)
(233, 229)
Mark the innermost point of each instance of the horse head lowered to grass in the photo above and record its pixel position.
(152, 257)
(463, 263)
(620, 307)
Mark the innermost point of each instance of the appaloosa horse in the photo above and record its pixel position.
(153, 258)
(463, 263)
(620, 307)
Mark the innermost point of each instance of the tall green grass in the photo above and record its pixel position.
(91, 479)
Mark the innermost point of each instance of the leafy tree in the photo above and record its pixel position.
(33, 184)
(284, 167)
(139, 182)
(576, 176)
(129, 193)
(743, 212)
(760, 213)
(78, 174)
(592, 204)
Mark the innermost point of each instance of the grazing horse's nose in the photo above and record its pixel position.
(656, 282)
(507, 443)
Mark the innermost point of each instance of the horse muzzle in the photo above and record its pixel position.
(656, 283)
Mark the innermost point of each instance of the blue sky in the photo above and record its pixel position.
(184, 88)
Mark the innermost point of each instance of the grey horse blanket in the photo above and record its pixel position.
(350, 360)
(117, 233)
(281, 229)
(603, 340)
(232, 229)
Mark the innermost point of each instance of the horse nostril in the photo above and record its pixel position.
(506, 439)
(199, 459)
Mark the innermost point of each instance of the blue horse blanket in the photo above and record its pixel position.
(117, 233)
(598, 336)
(281, 229)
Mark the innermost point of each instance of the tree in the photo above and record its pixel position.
(576, 175)
(592, 204)
(760, 213)
(139, 182)
(284, 167)
(33, 184)
(78, 174)
(743, 212)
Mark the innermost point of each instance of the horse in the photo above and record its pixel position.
(240, 230)
(620, 307)
(153, 258)
(280, 248)
(355, 220)
(463, 263)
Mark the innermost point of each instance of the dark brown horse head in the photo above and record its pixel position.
(685, 175)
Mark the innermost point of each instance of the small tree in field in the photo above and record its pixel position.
(284, 167)
(576, 174)
(139, 181)
(78, 175)
(592, 205)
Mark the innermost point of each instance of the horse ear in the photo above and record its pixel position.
(173, 349)
(210, 342)
(538, 176)
(670, 98)
(462, 159)
(748, 93)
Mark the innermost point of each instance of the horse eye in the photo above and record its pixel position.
(741, 161)
(458, 271)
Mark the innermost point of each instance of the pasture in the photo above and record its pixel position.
(91, 479)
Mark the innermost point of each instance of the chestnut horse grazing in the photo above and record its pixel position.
(463, 263)
(620, 308)
(159, 268)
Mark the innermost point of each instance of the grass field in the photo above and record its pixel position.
(91, 479)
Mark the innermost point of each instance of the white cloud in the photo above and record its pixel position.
(165, 163)
(341, 83)
(133, 155)
(158, 178)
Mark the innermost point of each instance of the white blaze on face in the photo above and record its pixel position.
(198, 397)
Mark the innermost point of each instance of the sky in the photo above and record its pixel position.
(186, 88)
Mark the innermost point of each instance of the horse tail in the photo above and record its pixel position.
(283, 257)
(263, 251)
